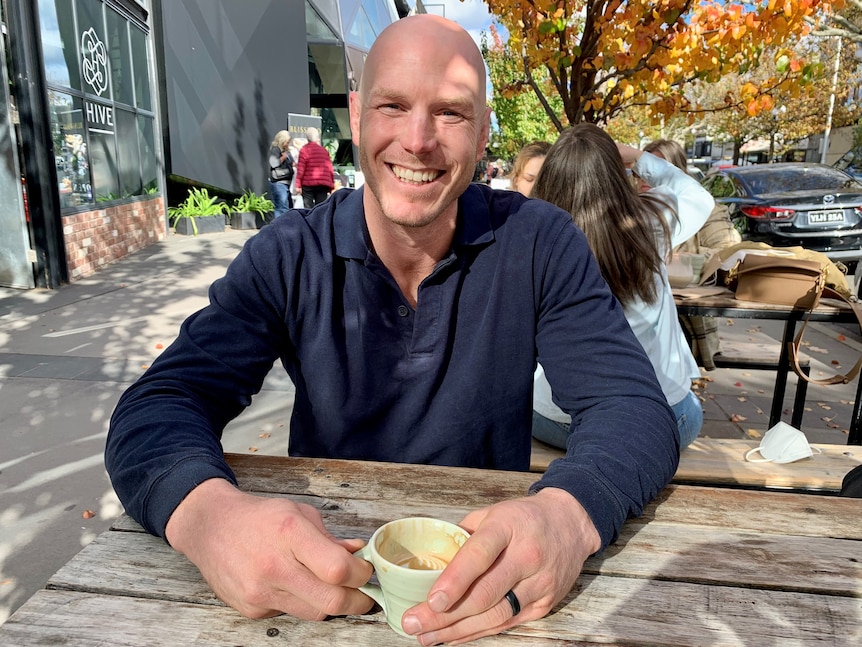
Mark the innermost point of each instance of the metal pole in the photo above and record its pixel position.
(831, 103)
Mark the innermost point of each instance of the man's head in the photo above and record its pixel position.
(420, 119)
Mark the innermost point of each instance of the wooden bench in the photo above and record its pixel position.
(763, 357)
(721, 462)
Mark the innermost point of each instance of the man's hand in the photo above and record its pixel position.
(534, 546)
(267, 556)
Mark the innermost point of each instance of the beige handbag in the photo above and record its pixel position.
(780, 280)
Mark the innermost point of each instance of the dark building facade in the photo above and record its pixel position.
(109, 106)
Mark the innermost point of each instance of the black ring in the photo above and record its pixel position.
(512, 599)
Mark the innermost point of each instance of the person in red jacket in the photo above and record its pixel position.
(314, 174)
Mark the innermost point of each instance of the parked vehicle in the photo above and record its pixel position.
(851, 162)
(810, 205)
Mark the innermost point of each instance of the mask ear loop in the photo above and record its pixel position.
(750, 452)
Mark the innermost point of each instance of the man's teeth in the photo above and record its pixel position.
(414, 176)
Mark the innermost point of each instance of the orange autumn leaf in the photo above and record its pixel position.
(841, 338)
(88, 514)
(159, 346)
(737, 418)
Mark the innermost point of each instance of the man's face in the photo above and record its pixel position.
(421, 125)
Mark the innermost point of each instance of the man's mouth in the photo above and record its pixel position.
(415, 177)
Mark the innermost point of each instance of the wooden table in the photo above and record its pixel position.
(703, 566)
(720, 302)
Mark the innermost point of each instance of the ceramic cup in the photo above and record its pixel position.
(408, 556)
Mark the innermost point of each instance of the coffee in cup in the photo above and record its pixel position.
(408, 556)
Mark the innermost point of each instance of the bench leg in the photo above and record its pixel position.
(799, 400)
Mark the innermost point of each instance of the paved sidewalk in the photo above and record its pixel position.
(67, 355)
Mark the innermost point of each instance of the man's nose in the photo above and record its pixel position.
(420, 134)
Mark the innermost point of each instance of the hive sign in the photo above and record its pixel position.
(94, 65)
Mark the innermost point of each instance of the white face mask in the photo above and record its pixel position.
(782, 444)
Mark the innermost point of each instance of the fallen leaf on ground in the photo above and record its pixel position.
(833, 425)
(728, 322)
(742, 398)
(746, 375)
(737, 418)
(841, 338)
(753, 433)
(835, 362)
(159, 346)
(760, 411)
(761, 391)
(824, 406)
(88, 514)
(737, 384)
(145, 366)
(827, 418)
(252, 449)
(265, 434)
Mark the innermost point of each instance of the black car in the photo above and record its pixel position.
(810, 205)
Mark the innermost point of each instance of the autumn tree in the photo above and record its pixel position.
(520, 118)
(602, 56)
(788, 114)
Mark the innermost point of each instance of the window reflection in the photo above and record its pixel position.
(70, 146)
(59, 43)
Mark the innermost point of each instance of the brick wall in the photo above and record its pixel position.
(94, 239)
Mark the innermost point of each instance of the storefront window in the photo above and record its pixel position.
(103, 159)
(94, 52)
(128, 159)
(70, 146)
(59, 43)
(98, 81)
(142, 69)
(149, 162)
(121, 58)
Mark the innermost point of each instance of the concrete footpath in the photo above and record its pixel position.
(67, 355)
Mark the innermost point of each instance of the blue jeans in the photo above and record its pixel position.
(280, 198)
(689, 421)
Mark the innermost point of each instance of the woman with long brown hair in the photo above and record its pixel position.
(631, 235)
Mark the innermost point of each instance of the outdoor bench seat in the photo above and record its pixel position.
(721, 462)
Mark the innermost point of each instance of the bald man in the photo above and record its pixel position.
(410, 315)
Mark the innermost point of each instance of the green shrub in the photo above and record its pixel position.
(198, 203)
(253, 203)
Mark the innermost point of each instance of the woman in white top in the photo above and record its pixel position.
(631, 235)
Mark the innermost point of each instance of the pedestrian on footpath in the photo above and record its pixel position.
(315, 177)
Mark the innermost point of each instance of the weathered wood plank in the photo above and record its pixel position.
(721, 461)
(659, 550)
(468, 489)
(605, 610)
(77, 619)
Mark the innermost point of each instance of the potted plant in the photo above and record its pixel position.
(199, 213)
(251, 211)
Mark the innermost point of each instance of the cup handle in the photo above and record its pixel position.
(371, 590)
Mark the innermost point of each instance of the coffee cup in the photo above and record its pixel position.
(408, 555)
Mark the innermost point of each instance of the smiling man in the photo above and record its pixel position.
(410, 315)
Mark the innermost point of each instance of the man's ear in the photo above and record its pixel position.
(355, 113)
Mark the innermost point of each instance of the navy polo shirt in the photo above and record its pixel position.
(446, 383)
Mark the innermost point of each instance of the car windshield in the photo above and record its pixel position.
(801, 178)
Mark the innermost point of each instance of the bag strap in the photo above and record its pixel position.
(793, 347)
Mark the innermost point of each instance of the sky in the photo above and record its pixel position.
(472, 15)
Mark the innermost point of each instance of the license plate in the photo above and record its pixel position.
(820, 217)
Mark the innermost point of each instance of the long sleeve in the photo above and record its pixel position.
(623, 446)
(691, 202)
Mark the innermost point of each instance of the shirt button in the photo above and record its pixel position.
(403, 311)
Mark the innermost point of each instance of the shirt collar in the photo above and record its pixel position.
(351, 233)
